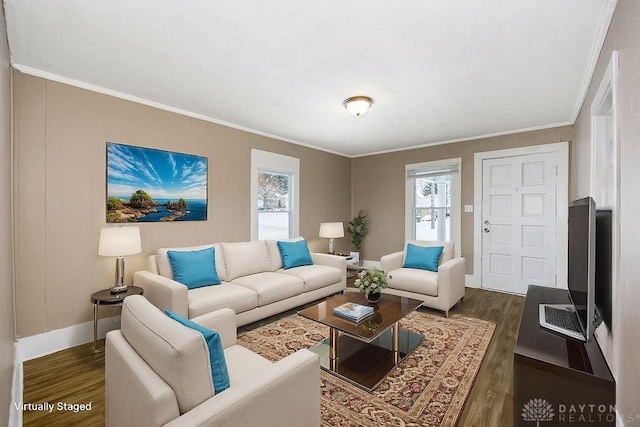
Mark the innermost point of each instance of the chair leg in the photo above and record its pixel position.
(447, 313)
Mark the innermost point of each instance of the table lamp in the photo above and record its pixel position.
(331, 230)
(119, 242)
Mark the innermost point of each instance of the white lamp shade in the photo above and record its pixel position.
(331, 230)
(119, 241)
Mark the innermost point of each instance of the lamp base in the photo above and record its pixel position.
(118, 289)
(119, 282)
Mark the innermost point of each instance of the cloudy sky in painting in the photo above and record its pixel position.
(162, 174)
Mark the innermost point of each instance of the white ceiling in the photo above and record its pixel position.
(438, 70)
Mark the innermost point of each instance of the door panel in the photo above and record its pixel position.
(519, 222)
(500, 265)
(500, 234)
(500, 205)
(533, 268)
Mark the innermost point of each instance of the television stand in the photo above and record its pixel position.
(556, 379)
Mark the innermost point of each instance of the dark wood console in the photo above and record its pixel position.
(570, 379)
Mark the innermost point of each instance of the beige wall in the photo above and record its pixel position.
(624, 36)
(60, 138)
(379, 186)
(6, 250)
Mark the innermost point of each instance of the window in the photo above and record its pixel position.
(274, 195)
(433, 201)
(274, 202)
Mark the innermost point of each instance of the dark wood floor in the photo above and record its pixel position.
(76, 375)
(491, 400)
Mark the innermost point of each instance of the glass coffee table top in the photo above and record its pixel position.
(389, 310)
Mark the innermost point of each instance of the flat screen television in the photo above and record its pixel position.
(582, 262)
(604, 265)
(580, 318)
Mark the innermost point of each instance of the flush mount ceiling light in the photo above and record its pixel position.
(358, 105)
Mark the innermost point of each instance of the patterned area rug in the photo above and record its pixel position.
(428, 388)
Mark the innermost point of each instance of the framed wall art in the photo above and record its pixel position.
(151, 185)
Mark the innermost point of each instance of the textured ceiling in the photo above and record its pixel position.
(438, 70)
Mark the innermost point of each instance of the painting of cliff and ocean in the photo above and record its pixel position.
(151, 185)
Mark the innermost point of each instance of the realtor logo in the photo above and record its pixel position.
(537, 410)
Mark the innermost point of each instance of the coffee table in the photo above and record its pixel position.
(364, 353)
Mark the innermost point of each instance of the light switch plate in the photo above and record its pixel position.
(468, 208)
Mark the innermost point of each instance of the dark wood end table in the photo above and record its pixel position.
(364, 353)
(105, 297)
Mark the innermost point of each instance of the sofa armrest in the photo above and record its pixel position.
(134, 394)
(222, 321)
(451, 280)
(335, 261)
(391, 261)
(164, 293)
(285, 394)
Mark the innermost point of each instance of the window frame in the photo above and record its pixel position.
(268, 162)
(456, 196)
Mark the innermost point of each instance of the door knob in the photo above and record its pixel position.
(487, 229)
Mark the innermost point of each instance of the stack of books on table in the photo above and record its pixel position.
(353, 311)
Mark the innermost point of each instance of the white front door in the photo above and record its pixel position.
(519, 222)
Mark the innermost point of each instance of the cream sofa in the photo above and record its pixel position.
(254, 284)
(158, 373)
(440, 290)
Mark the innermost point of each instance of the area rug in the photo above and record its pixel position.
(428, 388)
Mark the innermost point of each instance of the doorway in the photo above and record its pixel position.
(521, 218)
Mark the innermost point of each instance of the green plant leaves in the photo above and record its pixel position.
(357, 229)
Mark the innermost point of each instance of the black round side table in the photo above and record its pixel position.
(105, 297)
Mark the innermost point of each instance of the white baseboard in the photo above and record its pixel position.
(60, 339)
(470, 281)
(17, 387)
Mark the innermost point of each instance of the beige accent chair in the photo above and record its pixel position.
(158, 373)
(441, 290)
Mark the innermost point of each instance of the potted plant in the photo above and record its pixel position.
(371, 283)
(357, 228)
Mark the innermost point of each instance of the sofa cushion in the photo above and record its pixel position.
(194, 269)
(271, 287)
(226, 295)
(423, 257)
(164, 265)
(218, 363)
(294, 254)
(314, 276)
(447, 253)
(243, 364)
(177, 354)
(245, 258)
(414, 280)
(274, 251)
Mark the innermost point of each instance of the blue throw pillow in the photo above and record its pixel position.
(423, 257)
(219, 370)
(194, 269)
(294, 254)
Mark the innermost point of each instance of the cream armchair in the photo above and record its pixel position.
(440, 290)
(158, 373)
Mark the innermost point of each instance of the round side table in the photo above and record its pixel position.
(105, 297)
